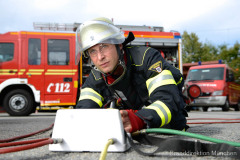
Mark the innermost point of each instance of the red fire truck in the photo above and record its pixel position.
(213, 86)
(39, 69)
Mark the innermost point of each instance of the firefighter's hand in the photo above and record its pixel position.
(126, 121)
(131, 122)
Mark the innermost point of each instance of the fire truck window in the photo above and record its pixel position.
(34, 51)
(206, 74)
(217, 73)
(58, 52)
(230, 76)
(6, 52)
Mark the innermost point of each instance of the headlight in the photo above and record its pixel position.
(217, 93)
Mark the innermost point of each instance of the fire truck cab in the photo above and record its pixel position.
(37, 68)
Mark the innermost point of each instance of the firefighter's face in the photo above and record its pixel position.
(104, 56)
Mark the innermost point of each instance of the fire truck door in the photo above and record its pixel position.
(59, 72)
(8, 59)
(33, 61)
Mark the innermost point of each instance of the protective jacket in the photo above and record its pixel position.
(150, 85)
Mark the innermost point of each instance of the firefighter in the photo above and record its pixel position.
(135, 79)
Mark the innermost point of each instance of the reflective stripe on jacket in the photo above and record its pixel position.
(89, 93)
(164, 78)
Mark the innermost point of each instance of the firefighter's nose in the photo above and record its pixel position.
(100, 55)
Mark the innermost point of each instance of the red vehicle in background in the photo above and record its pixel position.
(212, 86)
(37, 69)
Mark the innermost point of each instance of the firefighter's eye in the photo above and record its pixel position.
(92, 52)
(104, 48)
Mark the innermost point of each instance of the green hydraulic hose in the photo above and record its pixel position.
(193, 135)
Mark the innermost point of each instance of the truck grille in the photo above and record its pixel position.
(204, 94)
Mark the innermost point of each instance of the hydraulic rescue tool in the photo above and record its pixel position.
(89, 130)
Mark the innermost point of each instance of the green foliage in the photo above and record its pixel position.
(191, 48)
(194, 51)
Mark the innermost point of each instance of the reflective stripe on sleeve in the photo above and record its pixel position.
(162, 110)
(179, 81)
(164, 78)
(89, 93)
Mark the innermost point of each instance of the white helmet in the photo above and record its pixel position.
(99, 30)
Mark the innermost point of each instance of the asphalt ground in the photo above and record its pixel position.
(16, 126)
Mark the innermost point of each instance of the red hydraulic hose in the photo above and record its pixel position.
(26, 147)
(21, 142)
(212, 122)
(211, 119)
(228, 120)
(27, 135)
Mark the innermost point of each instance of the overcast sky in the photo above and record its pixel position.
(214, 21)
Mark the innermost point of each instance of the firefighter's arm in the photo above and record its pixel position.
(163, 92)
(89, 98)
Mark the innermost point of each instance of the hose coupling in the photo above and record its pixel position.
(57, 140)
(143, 131)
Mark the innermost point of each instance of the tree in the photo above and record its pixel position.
(194, 51)
(191, 48)
(209, 52)
(231, 56)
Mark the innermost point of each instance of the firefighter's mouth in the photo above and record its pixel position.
(104, 64)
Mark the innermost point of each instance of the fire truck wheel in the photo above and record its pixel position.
(226, 106)
(18, 102)
(205, 109)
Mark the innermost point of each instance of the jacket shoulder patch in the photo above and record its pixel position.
(156, 67)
